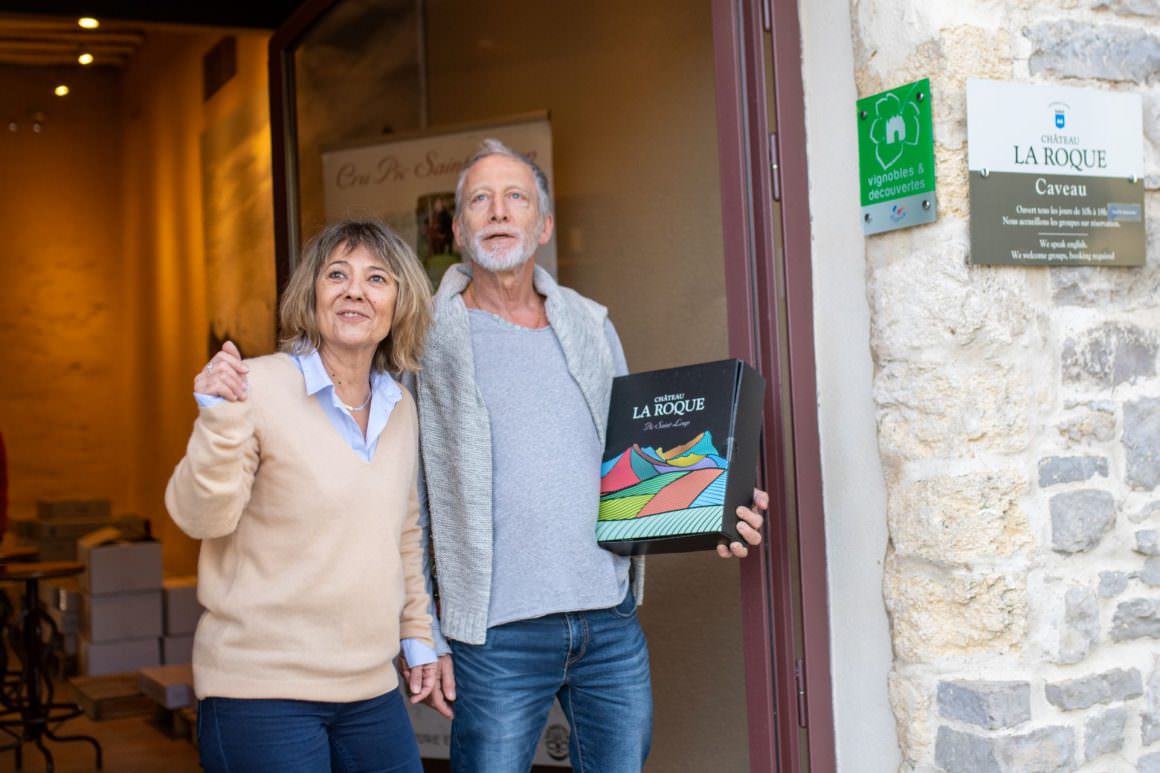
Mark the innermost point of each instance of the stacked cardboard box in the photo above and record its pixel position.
(121, 619)
(170, 687)
(58, 525)
(181, 615)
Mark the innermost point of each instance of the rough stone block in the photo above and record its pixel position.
(1099, 287)
(957, 752)
(1111, 354)
(1150, 574)
(1081, 625)
(1142, 442)
(1068, 469)
(1129, 7)
(1149, 512)
(991, 705)
(1104, 733)
(1118, 684)
(912, 702)
(930, 409)
(1147, 543)
(961, 518)
(1083, 50)
(1136, 619)
(929, 298)
(1047, 750)
(937, 614)
(1097, 423)
(1112, 584)
(1150, 716)
(1079, 519)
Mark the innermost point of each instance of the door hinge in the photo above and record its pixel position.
(774, 167)
(799, 680)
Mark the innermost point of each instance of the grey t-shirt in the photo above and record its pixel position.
(545, 476)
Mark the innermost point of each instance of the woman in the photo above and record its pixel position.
(300, 478)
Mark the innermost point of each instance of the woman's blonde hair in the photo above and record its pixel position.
(403, 347)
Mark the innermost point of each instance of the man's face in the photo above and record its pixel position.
(501, 225)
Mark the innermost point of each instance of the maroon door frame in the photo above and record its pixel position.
(770, 316)
(284, 132)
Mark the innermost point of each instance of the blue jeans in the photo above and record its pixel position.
(595, 662)
(287, 736)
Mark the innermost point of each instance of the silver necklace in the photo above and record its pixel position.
(359, 407)
(351, 408)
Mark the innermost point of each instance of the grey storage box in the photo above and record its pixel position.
(115, 657)
(181, 608)
(171, 687)
(118, 567)
(177, 649)
(113, 616)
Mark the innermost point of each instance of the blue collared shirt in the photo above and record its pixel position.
(386, 394)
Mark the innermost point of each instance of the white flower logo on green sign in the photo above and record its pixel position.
(895, 126)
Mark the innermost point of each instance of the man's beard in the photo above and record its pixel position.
(497, 259)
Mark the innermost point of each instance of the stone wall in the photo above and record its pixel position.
(1018, 419)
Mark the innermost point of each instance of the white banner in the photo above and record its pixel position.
(408, 181)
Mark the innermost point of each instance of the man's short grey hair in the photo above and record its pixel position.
(493, 147)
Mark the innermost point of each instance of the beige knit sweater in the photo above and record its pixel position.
(310, 569)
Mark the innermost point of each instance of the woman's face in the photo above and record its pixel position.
(354, 300)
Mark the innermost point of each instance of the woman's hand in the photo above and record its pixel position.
(224, 375)
(433, 684)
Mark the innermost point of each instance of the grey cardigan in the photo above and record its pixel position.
(455, 438)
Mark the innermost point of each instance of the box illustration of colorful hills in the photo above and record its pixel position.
(680, 455)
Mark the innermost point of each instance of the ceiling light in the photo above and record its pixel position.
(88, 22)
(61, 90)
(85, 58)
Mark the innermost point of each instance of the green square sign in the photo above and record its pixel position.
(896, 158)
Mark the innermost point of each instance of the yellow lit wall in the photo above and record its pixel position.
(103, 287)
(164, 236)
(64, 405)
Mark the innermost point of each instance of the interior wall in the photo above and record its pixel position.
(164, 237)
(62, 398)
(629, 88)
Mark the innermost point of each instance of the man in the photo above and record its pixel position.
(513, 398)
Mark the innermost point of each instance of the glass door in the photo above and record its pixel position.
(657, 112)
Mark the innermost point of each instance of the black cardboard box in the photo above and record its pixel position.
(680, 456)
